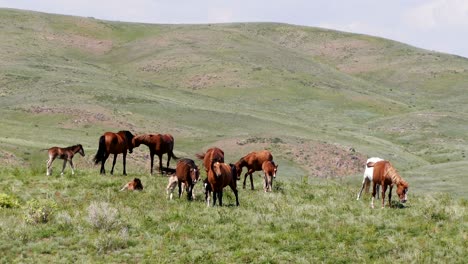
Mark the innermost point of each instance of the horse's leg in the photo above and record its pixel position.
(245, 179)
(189, 191)
(72, 166)
(220, 198)
(49, 165)
(160, 163)
(365, 181)
(103, 162)
(64, 165)
(265, 182)
(113, 164)
(234, 190)
(214, 197)
(373, 194)
(390, 196)
(384, 189)
(168, 158)
(251, 180)
(124, 163)
(378, 188)
(179, 183)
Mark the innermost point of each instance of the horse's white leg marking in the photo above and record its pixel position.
(64, 164)
(72, 167)
(372, 203)
(49, 165)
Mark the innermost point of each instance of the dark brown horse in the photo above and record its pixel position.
(114, 143)
(63, 153)
(210, 156)
(158, 144)
(221, 175)
(269, 169)
(187, 174)
(387, 176)
(253, 161)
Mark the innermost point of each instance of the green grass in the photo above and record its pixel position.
(302, 221)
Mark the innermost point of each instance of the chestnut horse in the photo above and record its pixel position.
(63, 153)
(253, 161)
(134, 185)
(210, 156)
(368, 175)
(158, 144)
(114, 143)
(386, 175)
(269, 169)
(221, 175)
(187, 174)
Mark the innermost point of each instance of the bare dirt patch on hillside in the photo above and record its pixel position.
(9, 159)
(92, 45)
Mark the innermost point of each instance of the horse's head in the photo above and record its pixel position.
(129, 136)
(238, 167)
(138, 185)
(216, 167)
(275, 170)
(402, 191)
(81, 150)
(194, 174)
(234, 171)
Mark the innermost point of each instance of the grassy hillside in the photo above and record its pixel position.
(310, 95)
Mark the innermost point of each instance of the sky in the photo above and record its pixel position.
(439, 25)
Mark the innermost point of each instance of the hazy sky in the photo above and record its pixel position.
(440, 25)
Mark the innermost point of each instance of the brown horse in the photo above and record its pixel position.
(114, 143)
(386, 175)
(187, 175)
(253, 161)
(210, 156)
(134, 185)
(63, 153)
(158, 144)
(269, 169)
(221, 175)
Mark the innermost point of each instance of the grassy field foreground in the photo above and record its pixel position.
(302, 221)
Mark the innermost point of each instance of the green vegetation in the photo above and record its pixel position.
(321, 101)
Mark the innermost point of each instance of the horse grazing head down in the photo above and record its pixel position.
(402, 191)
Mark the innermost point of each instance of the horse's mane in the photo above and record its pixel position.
(74, 146)
(391, 172)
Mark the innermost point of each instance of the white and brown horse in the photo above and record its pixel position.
(63, 153)
(387, 176)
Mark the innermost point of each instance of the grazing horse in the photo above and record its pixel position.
(158, 144)
(269, 169)
(134, 185)
(63, 153)
(114, 143)
(368, 175)
(187, 174)
(386, 175)
(221, 175)
(253, 161)
(210, 156)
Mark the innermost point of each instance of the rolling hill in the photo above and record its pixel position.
(321, 100)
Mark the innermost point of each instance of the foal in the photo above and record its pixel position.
(63, 153)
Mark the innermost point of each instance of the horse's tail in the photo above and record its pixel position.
(101, 150)
(367, 185)
(173, 156)
(200, 155)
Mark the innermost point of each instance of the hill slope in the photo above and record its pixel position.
(308, 94)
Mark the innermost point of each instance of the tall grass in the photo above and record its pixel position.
(302, 221)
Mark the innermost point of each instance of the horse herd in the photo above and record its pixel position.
(186, 174)
(377, 171)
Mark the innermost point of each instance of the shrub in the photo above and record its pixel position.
(8, 201)
(102, 216)
(39, 211)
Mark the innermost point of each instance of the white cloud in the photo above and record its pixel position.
(439, 14)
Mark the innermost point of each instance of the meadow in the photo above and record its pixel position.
(321, 101)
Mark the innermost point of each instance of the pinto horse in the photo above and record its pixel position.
(186, 176)
(221, 175)
(368, 175)
(158, 144)
(210, 156)
(253, 161)
(387, 176)
(269, 169)
(63, 153)
(114, 143)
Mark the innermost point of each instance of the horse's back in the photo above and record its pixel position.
(256, 159)
(380, 168)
